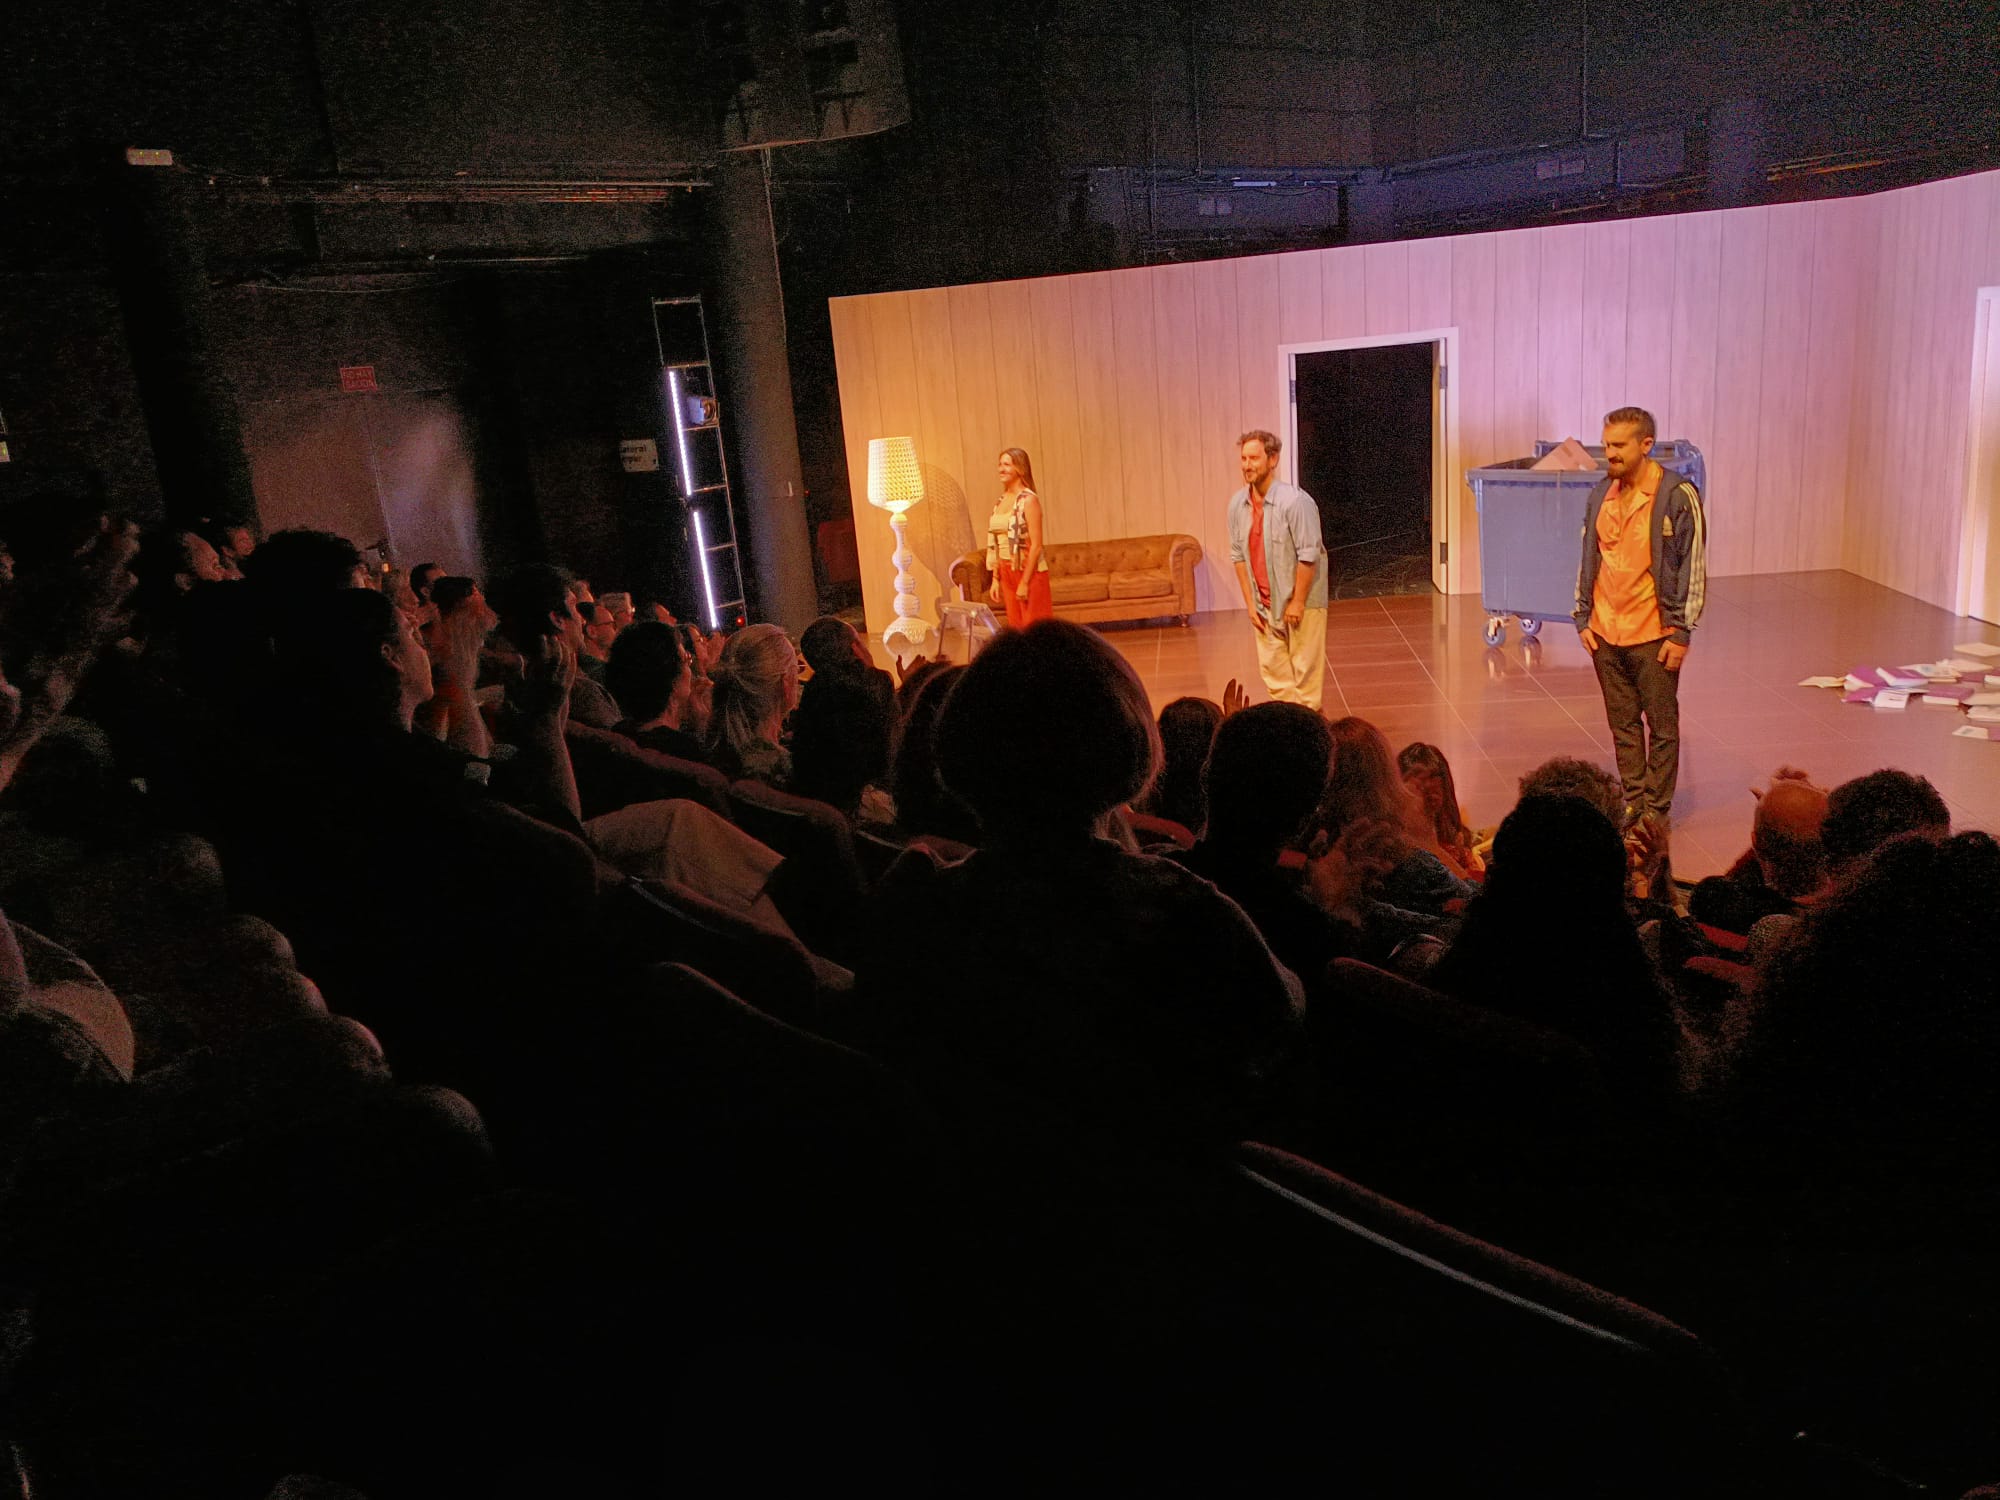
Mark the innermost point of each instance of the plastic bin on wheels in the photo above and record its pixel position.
(1531, 532)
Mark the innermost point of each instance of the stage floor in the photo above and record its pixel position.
(1418, 667)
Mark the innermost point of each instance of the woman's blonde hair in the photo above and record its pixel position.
(750, 682)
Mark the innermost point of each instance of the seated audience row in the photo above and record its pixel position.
(217, 933)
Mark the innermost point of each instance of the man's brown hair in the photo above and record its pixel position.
(1633, 416)
(1270, 440)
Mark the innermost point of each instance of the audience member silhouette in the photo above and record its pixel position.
(924, 804)
(536, 604)
(1118, 985)
(846, 718)
(1265, 776)
(1187, 731)
(1566, 776)
(1785, 862)
(1865, 813)
(650, 675)
(1549, 941)
(171, 1079)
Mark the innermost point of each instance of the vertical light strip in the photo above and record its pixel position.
(707, 583)
(680, 435)
(687, 492)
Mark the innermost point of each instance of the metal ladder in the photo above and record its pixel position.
(703, 466)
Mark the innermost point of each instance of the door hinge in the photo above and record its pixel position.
(1444, 553)
(1295, 390)
(1444, 377)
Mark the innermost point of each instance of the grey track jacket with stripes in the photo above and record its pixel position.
(1680, 555)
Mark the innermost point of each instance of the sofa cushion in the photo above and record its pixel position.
(1142, 583)
(1072, 558)
(1078, 588)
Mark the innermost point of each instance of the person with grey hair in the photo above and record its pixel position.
(1274, 543)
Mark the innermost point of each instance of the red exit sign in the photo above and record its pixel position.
(357, 377)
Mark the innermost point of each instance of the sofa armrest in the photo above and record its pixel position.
(1181, 558)
(969, 575)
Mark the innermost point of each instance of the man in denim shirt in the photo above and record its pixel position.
(1274, 543)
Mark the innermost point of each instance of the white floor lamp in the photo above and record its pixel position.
(895, 483)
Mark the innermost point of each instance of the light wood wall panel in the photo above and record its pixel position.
(1558, 303)
(1100, 500)
(980, 433)
(1299, 295)
(1135, 338)
(943, 526)
(1057, 454)
(1016, 388)
(1649, 324)
(1787, 309)
(1844, 241)
(1697, 313)
(1517, 340)
(1933, 247)
(1181, 475)
(1607, 272)
(1737, 385)
(1259, 318)
(1819, 354)
(1385, 281)
(1430, 284)
(1472, 305)
(1343, 293)
(1219, 423)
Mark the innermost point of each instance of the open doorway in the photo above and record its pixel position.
(1368, 452)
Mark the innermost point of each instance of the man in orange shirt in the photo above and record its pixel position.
(1639, 593)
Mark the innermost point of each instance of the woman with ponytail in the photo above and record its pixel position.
(756, 686)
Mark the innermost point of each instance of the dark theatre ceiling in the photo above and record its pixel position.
(517, 167)
(1041, 134)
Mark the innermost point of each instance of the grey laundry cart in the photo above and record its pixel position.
(1531, 532)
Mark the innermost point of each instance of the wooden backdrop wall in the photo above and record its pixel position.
(1818, 353)
(1935, 247)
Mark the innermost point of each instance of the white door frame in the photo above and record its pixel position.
(1977, 531)
(1444, 435)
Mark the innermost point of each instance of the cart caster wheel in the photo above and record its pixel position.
(1496, 630)
(1531, 628)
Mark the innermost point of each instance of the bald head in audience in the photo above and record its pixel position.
(1786, 837)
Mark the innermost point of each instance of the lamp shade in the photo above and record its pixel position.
(894, 480)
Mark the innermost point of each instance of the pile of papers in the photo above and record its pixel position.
(1968, 680)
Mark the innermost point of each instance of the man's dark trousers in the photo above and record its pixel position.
(1649, 757)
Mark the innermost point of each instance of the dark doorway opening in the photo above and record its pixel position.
(1365, 439)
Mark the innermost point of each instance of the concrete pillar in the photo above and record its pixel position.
(190, 405)
(754, 379)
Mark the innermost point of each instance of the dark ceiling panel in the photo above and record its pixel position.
(498, 87)
(226, 86)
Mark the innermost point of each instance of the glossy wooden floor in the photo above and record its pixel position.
(1419, 668)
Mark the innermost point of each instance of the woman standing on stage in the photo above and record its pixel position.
(1014, 553)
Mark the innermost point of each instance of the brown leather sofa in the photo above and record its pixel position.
(1126, 578)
